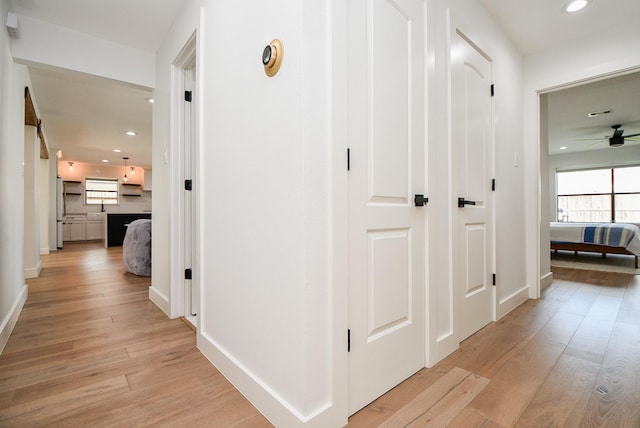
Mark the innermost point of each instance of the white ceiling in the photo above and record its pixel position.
(87, 116)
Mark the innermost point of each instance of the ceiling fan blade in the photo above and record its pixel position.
(632, 135)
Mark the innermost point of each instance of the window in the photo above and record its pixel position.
(101, 191)
(599, 195)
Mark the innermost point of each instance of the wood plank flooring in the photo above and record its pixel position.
(570, 359)
(90, 349)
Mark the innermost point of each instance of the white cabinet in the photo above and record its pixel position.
(95, 230)
(74, 228)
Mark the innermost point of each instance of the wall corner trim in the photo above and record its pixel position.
(160, 300)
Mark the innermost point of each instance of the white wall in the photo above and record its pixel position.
(13, 290)
(32, 264)
(45, 43)
(507, 72)
(599, 55)
(265, 318)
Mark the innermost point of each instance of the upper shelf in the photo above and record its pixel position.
(72, 181)
(130, 184)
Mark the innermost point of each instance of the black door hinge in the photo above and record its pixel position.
(348, 159)
(493, 184)
(492, 90)
(187, 96)
(494, 279)
(188, 274)
(188, 184)
(348, 340)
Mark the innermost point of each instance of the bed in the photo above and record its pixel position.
(604, 238)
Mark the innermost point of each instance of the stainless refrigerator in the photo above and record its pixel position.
(59, 211)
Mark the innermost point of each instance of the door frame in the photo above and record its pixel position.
(535, 278)
(179, 69)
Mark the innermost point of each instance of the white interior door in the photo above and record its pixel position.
(189, 133)
(472, 140)
(386, 229)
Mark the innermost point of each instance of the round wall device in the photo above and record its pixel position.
(272, 57)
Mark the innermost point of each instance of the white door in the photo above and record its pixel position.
(472, 140)
(386, 230)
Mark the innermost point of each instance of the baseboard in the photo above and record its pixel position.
(9, 322)
(33, 272)
(264, 398)
(512, 301)
(44, 251)
(160, 300)
(546, 280)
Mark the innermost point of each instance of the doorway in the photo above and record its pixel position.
(185, 169)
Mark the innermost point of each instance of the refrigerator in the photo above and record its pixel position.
(59, 211)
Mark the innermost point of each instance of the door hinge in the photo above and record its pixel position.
(348, 159)
(187, 96)
(494, 279)
(493, 184)
(188, 274)
(348, 340)
(492, 90)
(188, 184)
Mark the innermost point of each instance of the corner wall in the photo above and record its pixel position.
(264, 187)
(13, 290)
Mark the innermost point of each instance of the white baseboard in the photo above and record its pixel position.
(44, 251)
(160, 300)
(511, 302)
(33, 272)
(264, 398)
(9, 321)
(546, 280)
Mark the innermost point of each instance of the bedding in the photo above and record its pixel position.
(620, 238)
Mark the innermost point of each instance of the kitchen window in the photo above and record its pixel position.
(101, 191)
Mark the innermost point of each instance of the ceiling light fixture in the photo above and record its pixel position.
(574, 6)
(131, 133)
(563, 148)
(117, 150)
(105, 161)
(599, 113)
(70, 166)
(125, 179)
(150, 100)
(133, 170)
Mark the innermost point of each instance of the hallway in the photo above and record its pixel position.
(90, 349)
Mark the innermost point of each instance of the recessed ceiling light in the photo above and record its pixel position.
(563, 148)
(117, 150)
(150, 100)
(105, 160)
(574, 6)
(131, 133)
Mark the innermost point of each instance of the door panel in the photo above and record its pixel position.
(473, 168)
(386, 232)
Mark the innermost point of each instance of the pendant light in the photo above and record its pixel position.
(125, 179)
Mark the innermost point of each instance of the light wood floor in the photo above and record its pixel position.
(90, 349)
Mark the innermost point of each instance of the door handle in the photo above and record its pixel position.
(420, 200)
(462, 202)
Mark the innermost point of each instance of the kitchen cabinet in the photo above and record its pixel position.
(95, 230)
(74, 228)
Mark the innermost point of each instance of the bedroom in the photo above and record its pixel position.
(593, 173)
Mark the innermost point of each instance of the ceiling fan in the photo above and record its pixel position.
(617, 139)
